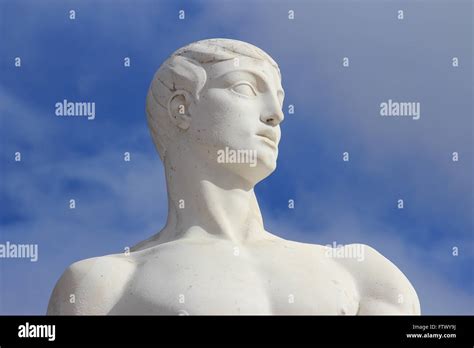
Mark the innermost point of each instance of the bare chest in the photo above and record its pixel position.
(235, 282)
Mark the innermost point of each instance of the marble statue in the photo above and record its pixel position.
(214, 110)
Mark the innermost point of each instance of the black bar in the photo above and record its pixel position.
(291, 330)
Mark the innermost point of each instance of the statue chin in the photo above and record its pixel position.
(253, 169)
(254, 175)
(250, 164)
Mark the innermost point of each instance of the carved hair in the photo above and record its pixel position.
(185, 70)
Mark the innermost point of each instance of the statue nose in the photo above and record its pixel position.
(273, 118)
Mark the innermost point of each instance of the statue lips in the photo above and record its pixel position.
(269, 137)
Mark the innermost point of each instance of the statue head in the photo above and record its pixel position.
(220, 102)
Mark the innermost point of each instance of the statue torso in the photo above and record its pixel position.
(216, 277)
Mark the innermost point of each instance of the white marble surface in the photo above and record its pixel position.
(214, 255)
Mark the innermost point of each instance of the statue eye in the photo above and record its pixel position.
(245, 89)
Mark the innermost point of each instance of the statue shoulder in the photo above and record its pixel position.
(383, 288)
(91, 286)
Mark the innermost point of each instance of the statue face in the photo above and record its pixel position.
(238, 113)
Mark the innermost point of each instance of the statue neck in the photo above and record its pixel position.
(205, 201)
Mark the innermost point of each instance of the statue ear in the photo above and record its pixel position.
(178, 109)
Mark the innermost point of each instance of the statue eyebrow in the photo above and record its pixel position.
(249, 72)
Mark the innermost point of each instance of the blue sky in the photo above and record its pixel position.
(336, 109)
